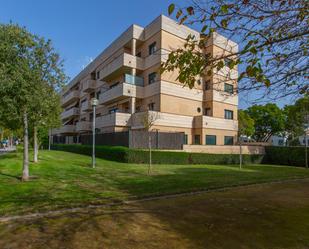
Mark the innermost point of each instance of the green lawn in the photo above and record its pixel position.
(66, 180)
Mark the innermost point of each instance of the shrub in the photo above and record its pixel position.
(123, 154)
(294, 156)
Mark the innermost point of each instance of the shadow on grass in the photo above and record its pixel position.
(11, 176)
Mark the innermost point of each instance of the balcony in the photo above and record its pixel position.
(133, 87)
(70, 97)
(83, 126)
(113, 119)
(215, 123)
(70, 113)
(122, 64)
(64, 130)
(86, 106)
(89, 85)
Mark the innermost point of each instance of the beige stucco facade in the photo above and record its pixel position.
(126, 79)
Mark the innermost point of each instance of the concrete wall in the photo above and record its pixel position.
(225, 149)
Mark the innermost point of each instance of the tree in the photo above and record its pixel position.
(268, 119)
(245, 128)
(24, 80)
(245, 124)
(297, 117)
(148, 120)
(274, 38)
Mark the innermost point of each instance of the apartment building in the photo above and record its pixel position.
(126, 80)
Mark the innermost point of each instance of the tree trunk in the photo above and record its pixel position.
(35, 144)
(150, 159)
(25, 176)
(240, 154)
(49, 138)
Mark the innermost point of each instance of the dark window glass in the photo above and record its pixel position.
(198, 109)
(98, 94)
(211, 140)
(197, 139)
(151, 106)
(139, 54)
(185, 137)
(228, 114)
(207, 112)
(229, 88)
(113, 110)
(152, 78)
(152, 48)
(228, 140)
(98, 75)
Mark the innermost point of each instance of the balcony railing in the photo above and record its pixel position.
(70, 97)
(123, 61)
(134, 80)
(89, 85)
(83, 126)
(121, 91)
(64, 129)
(85, 106)
(70, 113)
(113, 119)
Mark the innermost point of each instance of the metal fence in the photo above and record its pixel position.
(132, 139)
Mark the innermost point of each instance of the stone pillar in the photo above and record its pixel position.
(132, 105)
(133, 52)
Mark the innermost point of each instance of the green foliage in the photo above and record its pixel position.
(297, 117)
(274, 54)
(126, 155)
(245, 124)
(294, 156)
(268, 119)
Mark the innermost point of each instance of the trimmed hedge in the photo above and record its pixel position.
(126, 155)
(293, 156)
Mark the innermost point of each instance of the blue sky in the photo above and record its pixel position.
(80, 30)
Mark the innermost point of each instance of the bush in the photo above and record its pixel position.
(293, 156)
(126, 155)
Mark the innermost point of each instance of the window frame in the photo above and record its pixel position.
(228, 88)
(150, 79)
(228, 137)
(152, 48)
(210, 136)
(227, 116)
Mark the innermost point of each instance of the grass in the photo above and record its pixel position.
(65, 180)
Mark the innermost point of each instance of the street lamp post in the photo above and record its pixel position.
(94, 103)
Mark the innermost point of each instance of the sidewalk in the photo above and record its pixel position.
(6, 150)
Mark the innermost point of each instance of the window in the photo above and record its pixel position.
(152, 48)
(151, 106)
(228, 114)
(113, 110)
(185, 139)
(138, 109)
(229, 88)
(198, 109)
(98, 75)
(152, 78)
(114, 85)
(98, 94)
(139, 54)
(228, 140)
(98, 115)
(207, 85)
(207, 112)
(92, 75)
(211, 140)
(197, 139)
(91, 116)
(227, 61)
